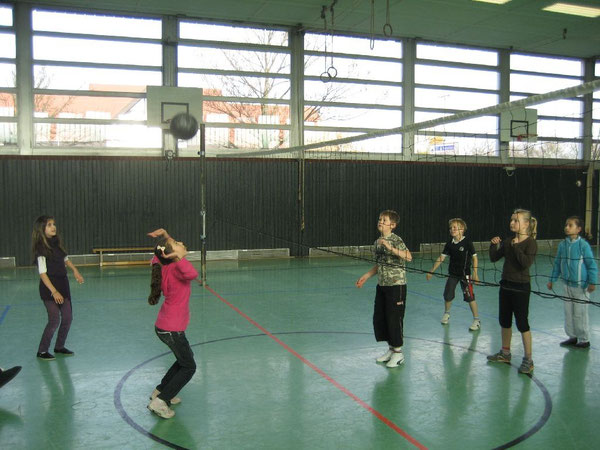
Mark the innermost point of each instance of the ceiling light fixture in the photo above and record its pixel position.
(496, 2)
(575, 10)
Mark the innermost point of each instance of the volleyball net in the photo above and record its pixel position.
(434, 170)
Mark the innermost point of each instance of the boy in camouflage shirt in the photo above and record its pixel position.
(390, 297)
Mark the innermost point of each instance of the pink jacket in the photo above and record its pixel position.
(174, 314)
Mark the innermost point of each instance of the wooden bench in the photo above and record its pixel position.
(103, 250)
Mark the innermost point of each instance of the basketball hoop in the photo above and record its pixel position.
(527, 137)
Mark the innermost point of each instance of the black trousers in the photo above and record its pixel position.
(388, 315)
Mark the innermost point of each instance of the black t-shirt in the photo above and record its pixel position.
(461, 254)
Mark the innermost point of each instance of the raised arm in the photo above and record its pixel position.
(496, 249)
(160, 232)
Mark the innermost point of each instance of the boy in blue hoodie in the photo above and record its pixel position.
(576, 267)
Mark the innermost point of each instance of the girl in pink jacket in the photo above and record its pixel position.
(172, 274)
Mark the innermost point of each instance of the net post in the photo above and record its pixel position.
(202, 154)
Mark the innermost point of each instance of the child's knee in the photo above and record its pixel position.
(523, 325)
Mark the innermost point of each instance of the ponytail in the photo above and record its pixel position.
(163, 246)
(532, 230)
(155, 283)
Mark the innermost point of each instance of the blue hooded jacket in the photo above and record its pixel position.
(575, 263)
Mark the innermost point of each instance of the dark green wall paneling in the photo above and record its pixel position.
(345, 198)
(255, 204)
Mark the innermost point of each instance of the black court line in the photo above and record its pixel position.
(547, 399)
(121, 410)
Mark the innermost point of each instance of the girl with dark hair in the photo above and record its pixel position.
(576, 267)
(172, 274)
(52, 261)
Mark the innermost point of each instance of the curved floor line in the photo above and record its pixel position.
(119, 406)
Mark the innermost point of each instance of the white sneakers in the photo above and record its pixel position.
(385, 357)
(160, 408)
(392, 358)
(396, 359)
(476, 325)
(156, 393)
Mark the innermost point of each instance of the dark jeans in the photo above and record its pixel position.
(57, 315)
(388, 314)
(182, 370)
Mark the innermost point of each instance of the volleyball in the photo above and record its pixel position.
(183, 126)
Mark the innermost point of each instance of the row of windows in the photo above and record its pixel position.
(89, 88)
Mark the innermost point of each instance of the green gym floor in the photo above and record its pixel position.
(286, 360)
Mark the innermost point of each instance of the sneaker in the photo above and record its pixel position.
(476, 325)
(526, 366)
(585, 344)
(499, 357)
(568, 342)
(45, 356)
(396, 359)
(65, 351)
(156, 393)
(385, 357)
(445, 318)
(160, 408)
(8, 374)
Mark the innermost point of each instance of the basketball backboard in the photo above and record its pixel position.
(518, 124)
(165, 102)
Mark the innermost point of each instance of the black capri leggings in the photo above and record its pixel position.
(514, 299)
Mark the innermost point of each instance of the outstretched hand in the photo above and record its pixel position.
(160, 232)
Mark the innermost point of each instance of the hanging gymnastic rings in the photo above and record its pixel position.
(329, 74)
(325, 77)
(387, 30)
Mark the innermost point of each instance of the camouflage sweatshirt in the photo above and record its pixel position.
(390, 268)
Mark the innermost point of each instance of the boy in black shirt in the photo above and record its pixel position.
(461, 251)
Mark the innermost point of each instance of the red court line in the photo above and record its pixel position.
(373, 411)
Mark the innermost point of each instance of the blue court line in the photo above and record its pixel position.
(4, 313)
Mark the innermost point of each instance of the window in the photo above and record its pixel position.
(457, 54)
(560, 122)
(245, 74)
(94, 99)
(350, 89)
(8, 95)
(596, 117)
(450, 80)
